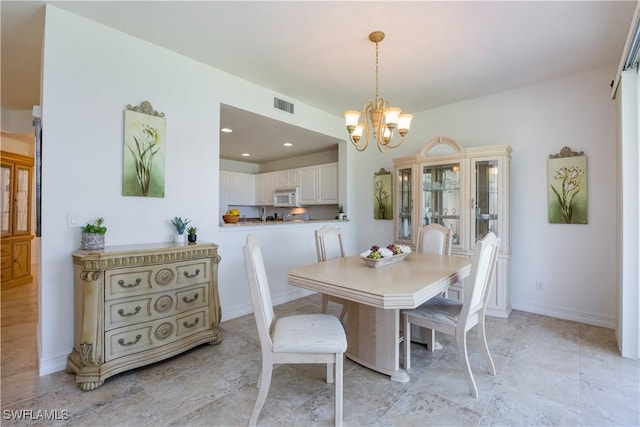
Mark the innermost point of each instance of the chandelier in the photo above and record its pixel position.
(383, 119)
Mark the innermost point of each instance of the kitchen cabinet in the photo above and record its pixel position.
(16, 185)
(242, 189)
(140, 304)
(288, 178)
(466, 190)
(319, 184)
(265, 186)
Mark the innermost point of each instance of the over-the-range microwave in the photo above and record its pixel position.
(286, 197)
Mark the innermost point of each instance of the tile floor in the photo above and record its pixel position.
(550, 372)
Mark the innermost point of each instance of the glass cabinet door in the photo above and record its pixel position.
(5, 201)
(21, 208)
(405, 205)
(486, 198)
(441, 198)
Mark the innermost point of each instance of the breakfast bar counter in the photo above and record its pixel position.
(257, 223)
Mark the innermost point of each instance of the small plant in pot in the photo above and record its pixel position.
(93, 235)
(180, 225)
(341, 214)
(192, 235)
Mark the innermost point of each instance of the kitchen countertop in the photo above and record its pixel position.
(254, 223)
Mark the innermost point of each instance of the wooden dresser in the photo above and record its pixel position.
(139, 304)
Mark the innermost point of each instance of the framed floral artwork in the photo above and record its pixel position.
(144, 151)
(382, 195)
(567, 187)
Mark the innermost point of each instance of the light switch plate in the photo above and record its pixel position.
(76, 220)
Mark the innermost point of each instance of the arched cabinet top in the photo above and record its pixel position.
(441, 146)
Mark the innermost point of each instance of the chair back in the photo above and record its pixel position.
(259, 290)
(483, 268)
(329, 243)
(434, 239)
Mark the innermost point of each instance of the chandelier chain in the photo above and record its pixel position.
(376, 72)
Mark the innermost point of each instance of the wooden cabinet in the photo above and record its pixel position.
(140, 304)
(16, 175)
(466, 190)
(319, 184)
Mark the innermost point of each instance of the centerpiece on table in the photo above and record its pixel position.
(377, 256)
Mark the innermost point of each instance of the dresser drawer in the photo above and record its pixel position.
(155, 278)
(127, 312)
(153, 335)
(131, 310)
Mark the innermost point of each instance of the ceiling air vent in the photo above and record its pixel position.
(283, 105)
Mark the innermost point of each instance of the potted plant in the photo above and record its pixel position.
(192, 234)
(341, 214)
(93, 235)
(180, 225)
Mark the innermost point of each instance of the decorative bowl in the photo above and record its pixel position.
(231, 219)
(375, 263)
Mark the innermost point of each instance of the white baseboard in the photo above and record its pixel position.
(49, 365)
(229, 313)
(606, 321)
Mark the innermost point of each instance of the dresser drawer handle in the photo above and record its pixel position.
(122, 343)
(132, 285)
(133, 313)
(187, 325)
(189, 301)
(187, 275)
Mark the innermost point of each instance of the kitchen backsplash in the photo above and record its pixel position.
(315, 211)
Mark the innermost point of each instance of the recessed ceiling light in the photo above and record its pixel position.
(226, 130)
(245, 154)
(288, 144)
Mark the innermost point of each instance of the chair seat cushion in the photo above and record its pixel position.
(309, 333)
(438, 309)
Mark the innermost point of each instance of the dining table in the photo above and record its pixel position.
(375, 296)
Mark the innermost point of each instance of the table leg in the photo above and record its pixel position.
(373, 338)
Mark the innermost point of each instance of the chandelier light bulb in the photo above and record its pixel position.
(351, 118)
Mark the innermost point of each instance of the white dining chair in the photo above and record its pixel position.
(455, 318)
(432, 239)
(329, 246)
(304, 338)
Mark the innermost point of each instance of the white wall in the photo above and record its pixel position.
(90, 74)
(575, 263)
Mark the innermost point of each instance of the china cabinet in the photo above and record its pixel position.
(15, 205)
(139, 304)
(464, 189)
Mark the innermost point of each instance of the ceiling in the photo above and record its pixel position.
(318, 53)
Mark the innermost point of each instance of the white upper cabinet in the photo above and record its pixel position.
(328, 181)
(242, 189)
(265, 185)
(287, 178)
(319, 184)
